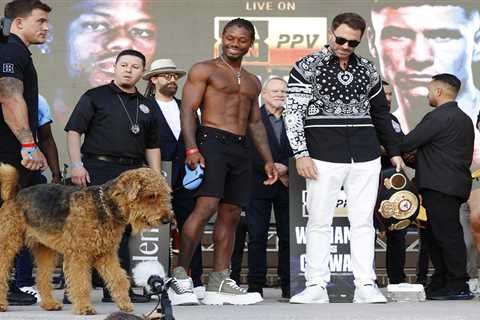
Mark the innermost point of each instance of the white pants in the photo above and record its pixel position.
(360, 181)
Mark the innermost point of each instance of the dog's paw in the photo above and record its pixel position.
(126, 307)
(51, 305)
(85, 310)
(3, 307)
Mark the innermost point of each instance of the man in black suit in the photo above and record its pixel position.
(444, 142)
(395, 239)
(162, 87)
(274, 95)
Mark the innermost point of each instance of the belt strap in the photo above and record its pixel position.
(118, 160)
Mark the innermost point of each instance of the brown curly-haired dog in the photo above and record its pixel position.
(84, 224)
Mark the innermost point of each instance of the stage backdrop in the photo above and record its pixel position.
(408, 43)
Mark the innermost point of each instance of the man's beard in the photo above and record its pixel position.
(166, 91)
(418, 108)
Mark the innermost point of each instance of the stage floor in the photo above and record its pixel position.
(274, 308)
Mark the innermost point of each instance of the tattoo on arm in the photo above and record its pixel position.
(10, 87)
(23, 134)
(14, 108)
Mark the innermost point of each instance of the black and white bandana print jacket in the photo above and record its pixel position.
(336, 115)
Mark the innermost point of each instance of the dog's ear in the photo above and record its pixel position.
(126, 186)
(132, 188)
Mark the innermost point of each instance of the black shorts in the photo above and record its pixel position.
(228, 167)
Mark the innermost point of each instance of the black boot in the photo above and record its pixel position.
(136, 298)
(255, 287)
(66, 300)
(286, 292)
(16, 297)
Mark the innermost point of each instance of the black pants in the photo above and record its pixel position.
(239, 247)
(444, 238)
(258, 220)
(396, 256)
(183, 204)
(24, 260)
(101, 172)
(423, 258)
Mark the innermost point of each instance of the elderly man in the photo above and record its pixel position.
(274, 94)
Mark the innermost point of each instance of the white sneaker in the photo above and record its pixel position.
(223, 290)
(311, 294)
(33, 291)
(474, 286)
(181, 289)
(368, 293)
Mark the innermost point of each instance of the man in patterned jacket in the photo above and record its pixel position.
(336, 114)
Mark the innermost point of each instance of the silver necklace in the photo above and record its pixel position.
(237, 73)
(134, 128)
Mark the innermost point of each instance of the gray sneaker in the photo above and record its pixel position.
(223, 290)
(181, 289)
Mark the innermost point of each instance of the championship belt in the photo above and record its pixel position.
(476, 175)
(398, 203)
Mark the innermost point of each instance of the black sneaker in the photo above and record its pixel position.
(286, 292)
(253, 287)
(448, 294)
(432, 287)
(106, 296)
(66, 300)
(135, 298)
(16, 297)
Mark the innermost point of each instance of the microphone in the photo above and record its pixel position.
(150, 275)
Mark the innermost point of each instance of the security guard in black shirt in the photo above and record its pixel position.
(444, 142)
(121, 133)
(19, 101)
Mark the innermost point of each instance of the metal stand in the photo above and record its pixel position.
(165, 312)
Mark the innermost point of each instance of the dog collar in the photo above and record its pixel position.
(101, 195)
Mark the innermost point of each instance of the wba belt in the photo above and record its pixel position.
(398, 203)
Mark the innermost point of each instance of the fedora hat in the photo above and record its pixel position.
(163, 66)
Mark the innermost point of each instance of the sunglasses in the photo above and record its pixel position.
(168, 76)
(341, 41)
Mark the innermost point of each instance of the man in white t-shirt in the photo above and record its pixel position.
(162, 87)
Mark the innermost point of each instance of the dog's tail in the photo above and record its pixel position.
(8, 181)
